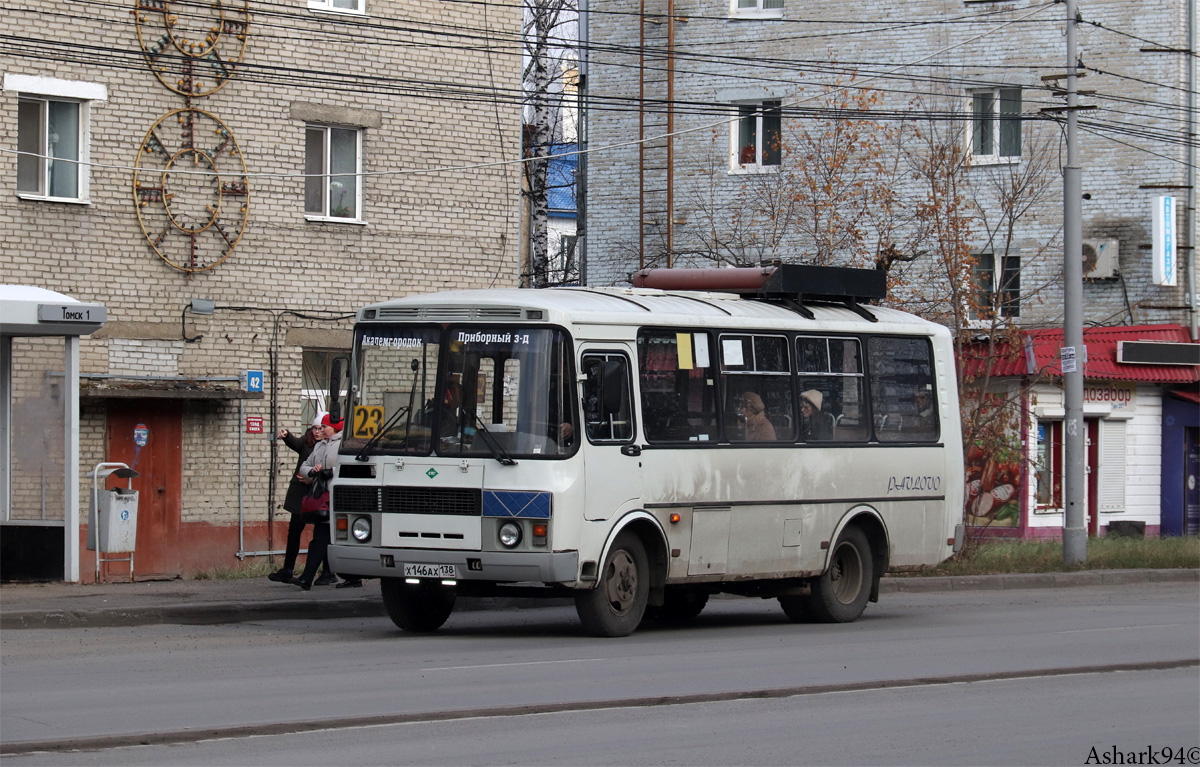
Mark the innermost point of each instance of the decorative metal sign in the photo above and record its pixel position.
(192, 48)
(191, 190)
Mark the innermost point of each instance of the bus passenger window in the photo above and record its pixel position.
(756, 383)
(902, 389)
(674, 374)
(831, 379)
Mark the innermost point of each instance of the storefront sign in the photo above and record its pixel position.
(1164, 254)
(1119, 394)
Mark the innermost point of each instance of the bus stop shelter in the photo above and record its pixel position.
(27, 311)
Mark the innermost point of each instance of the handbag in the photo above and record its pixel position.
(316, 504)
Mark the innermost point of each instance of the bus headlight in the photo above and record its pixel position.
(361, 529)
(510, 534)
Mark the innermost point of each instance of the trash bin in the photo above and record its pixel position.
(118, 520)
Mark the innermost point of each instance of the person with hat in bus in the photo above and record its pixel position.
(813, 423)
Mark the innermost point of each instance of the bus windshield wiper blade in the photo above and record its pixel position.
(362, 454)
(499, 453)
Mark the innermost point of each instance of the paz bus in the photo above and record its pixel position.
(758, 432)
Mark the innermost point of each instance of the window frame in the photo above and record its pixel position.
(898, 388)
(998, 128)
(327, 177)
(326, 6)
(44, 90)
(760, 10)
(1004, 301)
(863, 385)
(594, 437)
(748, 370)
(761, 111)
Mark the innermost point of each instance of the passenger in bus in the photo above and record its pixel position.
(452, 414)
(754, 417)
(814, 425)
(924, 409)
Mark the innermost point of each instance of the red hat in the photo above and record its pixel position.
(327, 421)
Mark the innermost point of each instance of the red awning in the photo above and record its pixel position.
(1039, 355)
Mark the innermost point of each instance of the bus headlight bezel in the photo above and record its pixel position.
(361, 529)
(509, 535)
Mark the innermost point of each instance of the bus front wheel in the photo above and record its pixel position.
(421, 606)
(614, 608)
(840, 594)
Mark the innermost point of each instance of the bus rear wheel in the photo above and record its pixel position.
(840, 594)
(615, 607)
(421, 606)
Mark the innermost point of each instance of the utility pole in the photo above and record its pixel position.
(1073, 354)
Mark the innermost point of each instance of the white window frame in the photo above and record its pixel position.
(999, 127)
(762, 9)
(44, 91)
(325, 174)
(735, 142)
(327, 6)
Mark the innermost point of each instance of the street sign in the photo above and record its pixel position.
(254, 380)
(254, 424)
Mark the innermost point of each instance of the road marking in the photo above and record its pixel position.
(104, 742)
(1121, 628)
(522, 663)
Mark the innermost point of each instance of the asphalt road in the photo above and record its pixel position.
(913, 682)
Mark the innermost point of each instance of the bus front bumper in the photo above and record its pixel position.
(492, 566)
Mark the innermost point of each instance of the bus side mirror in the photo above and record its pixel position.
(335, 390)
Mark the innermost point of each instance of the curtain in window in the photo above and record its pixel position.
(30, 140)
(343, 169)
(62, 139)
(314, 169)
(1010, 122)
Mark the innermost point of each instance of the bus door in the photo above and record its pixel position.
(612, 466)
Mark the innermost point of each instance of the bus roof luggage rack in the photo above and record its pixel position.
(792, 285)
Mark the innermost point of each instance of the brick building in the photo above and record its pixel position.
(231, 183)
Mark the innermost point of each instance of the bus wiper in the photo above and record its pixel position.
(493, 446)
(362, 454)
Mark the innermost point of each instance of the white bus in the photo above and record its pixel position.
(640, 449)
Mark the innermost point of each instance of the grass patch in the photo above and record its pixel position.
(1109, 553)
(255, 568)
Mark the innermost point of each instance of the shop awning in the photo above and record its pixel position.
(1039, 355)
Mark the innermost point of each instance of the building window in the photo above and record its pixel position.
(338, 6)
(316, 365)
(756, 139)
(50, 141)
(996, 124)
(332, 163)
(992, 299)
(756, 9)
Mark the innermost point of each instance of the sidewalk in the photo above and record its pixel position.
(65, 605)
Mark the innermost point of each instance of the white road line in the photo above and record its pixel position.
(1121, 628)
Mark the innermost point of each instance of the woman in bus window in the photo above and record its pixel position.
(813, 423)
(754, 415)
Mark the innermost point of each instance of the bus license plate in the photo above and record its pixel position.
(430, 571)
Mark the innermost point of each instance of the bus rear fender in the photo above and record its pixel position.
(868, 520)
(643, 524)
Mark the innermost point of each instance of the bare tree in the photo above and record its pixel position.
(548, 44)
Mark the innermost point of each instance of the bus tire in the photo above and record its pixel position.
(795, 607)
(417, 607)
(615, 607)
(681, 605)
(840, 594)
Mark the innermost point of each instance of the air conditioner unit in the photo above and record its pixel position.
(1100, 259)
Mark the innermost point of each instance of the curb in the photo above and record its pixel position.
(372, 606)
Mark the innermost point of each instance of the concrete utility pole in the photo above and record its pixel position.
(1074, 353)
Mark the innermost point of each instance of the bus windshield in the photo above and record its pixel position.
(464, 390)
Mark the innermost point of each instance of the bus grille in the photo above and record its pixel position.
(465, 502)
(355, 500)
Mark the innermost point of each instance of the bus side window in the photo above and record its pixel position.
(901, 370)
(607, 404)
